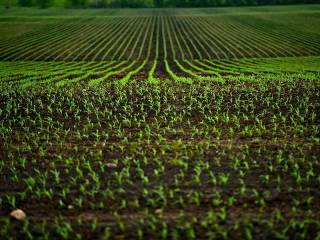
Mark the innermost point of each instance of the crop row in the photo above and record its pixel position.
(32, 73)
(166, 161)
(185, 37)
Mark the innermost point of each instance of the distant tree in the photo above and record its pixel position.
(154, 3)
(158, 3)
(25, 3)
(43, 3)
(222, 2)
(7, 4)
(169, 3)
(76, 3)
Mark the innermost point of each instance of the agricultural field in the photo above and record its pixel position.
(160, 123)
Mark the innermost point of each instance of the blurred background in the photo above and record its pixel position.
(146, 3)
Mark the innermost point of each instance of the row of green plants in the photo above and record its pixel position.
(191, 37)
(28, 74)
(202, 160)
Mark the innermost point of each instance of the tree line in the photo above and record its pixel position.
(155, 3)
